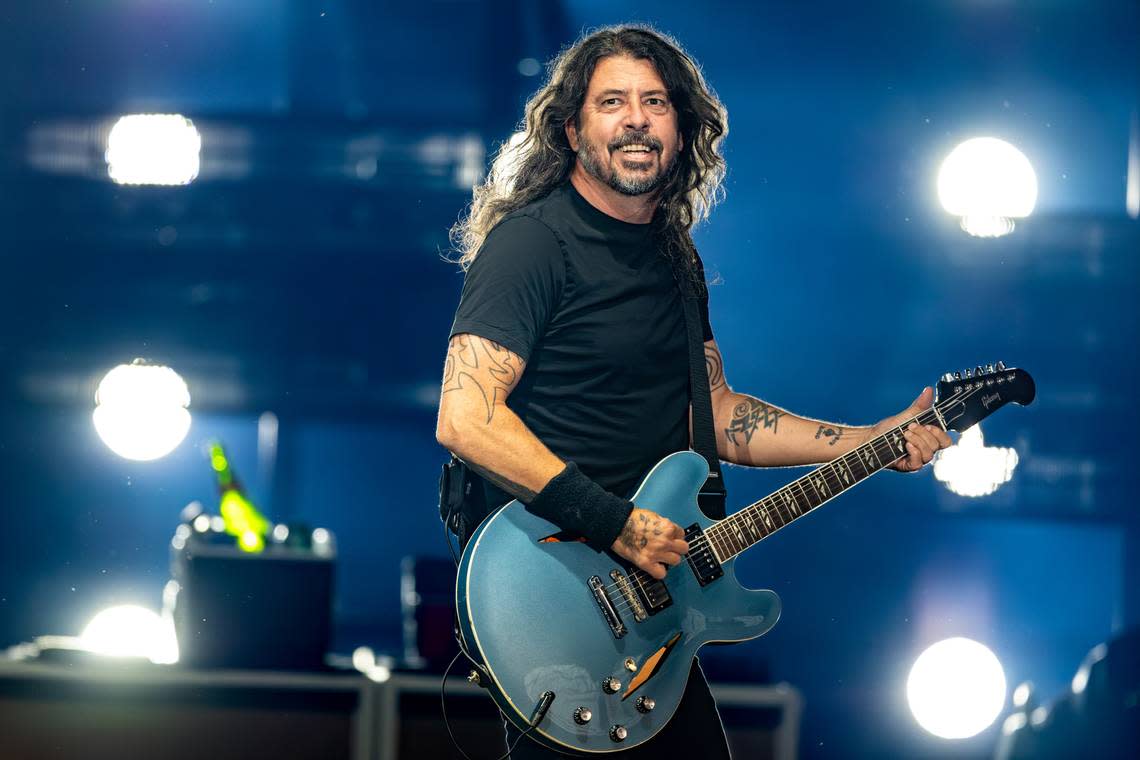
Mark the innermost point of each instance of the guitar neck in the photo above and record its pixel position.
(732, 535)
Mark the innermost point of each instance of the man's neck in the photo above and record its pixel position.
(634, 209)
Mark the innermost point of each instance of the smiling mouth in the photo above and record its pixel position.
(636, 151)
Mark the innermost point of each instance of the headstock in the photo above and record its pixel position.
(969, 396)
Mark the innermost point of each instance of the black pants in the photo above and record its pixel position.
(694, 731)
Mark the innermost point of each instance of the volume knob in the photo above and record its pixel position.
(618, 733)
(582, 716)
(611, 685)
(645, 704)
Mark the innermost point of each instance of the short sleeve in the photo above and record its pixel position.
(513, 286)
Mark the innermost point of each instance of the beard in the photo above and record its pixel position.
(644, 182)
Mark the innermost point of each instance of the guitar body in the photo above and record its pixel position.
(529, 617)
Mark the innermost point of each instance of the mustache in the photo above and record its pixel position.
(635, 138)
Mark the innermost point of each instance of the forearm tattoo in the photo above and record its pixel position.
(635, 534)
(468, 353)
(826, 431)
(749, 416)
(517, 490)
(715, 367)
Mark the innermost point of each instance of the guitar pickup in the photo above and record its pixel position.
(598, 589)
(702, 560)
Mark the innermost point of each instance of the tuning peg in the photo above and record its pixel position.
(1001, 366)
(948, 378)
(957, 375)
(968, 373)
(978, 370)
(989, 369)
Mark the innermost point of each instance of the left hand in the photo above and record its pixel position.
(922, 441)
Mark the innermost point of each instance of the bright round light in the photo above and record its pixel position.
(131, 631)
(141, 410)
(987, 182)
(956, 688)
(970, 468)
(153, 149)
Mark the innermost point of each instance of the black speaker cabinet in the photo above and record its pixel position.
(240, 610)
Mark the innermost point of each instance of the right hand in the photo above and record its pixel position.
(651, 542)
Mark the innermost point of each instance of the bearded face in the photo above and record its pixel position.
(627, 136)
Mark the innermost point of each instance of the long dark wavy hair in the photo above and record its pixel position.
(539, 157)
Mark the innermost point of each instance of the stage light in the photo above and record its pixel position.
(153, 149)
(1081, 679)
(956, 688)
(131, 631)
(970, 468)
(140, 410)
(988, 183)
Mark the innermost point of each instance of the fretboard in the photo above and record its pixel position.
(732, 535)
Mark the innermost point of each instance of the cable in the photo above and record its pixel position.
(447, 540)
(447, 725)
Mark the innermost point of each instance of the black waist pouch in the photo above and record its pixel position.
(462, 499)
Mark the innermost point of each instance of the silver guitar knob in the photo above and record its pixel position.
(645, 704)
(611, 685)
(582, 716)
(618, 733)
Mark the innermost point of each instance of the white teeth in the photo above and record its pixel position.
(635, 149)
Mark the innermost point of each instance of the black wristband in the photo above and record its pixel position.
(575, 503)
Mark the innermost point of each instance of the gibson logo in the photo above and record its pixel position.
(987, 400)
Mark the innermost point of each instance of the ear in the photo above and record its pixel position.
(572, 135)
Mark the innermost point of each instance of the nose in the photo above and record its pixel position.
(637, 118)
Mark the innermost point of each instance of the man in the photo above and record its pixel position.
(567, 372)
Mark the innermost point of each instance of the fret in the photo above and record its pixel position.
(844, 472)
(731, 540)
(754, 529)
(896, 442)
(758, 517)
(773, 507)
(790, 501)
(819, 483)
(852, 459)
(811, 504)
(867, 452)
(725, 540)
(818, 497)
(739, 534)
(761, 516)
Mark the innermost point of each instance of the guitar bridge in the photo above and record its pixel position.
(598, 589)
(630, 595)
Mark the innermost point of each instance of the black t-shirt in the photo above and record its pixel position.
(592, 307)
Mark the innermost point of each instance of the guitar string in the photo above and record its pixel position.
(766, 509)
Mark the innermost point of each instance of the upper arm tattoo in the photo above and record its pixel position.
(714, 365)
(482, 365)
(749, 416)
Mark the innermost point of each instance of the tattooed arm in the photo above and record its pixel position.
(753, 432)
(477, 425)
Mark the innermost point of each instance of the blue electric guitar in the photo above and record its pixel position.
(584, 652)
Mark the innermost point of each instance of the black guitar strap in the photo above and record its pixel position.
(713, 495)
